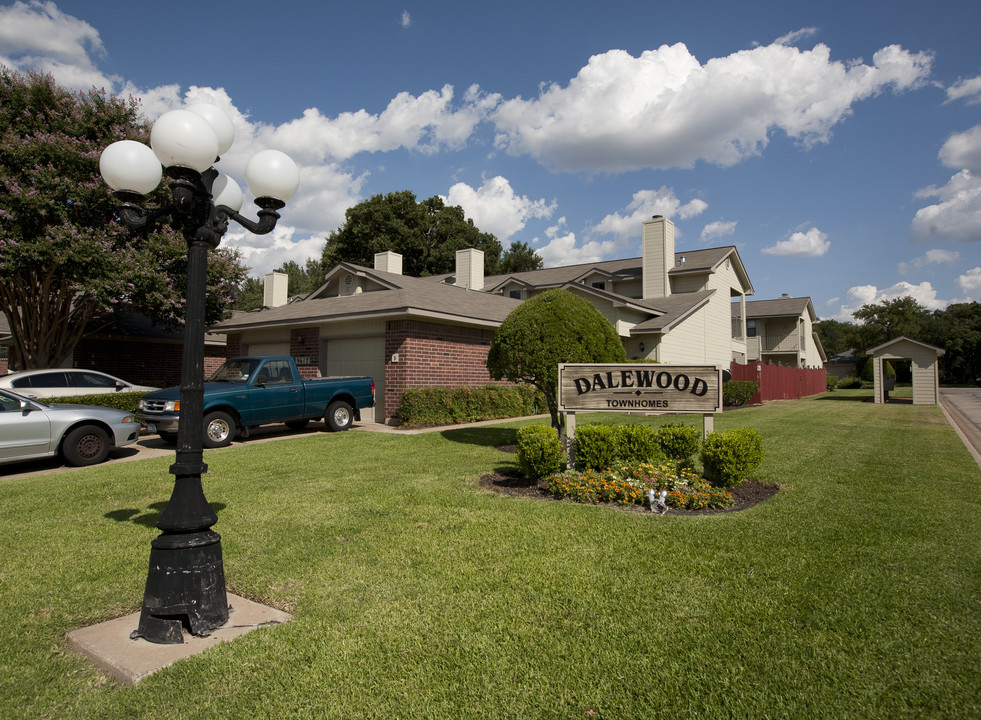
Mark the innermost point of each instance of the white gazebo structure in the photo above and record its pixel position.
(923, 362)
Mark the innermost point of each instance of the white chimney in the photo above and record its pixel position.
(658, 257)
(275, 289)
(388, 261)
(470, 268)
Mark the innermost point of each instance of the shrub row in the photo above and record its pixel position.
(728, 457)
(446, 406)
(120, 401)
(599, 446)
(738, 392)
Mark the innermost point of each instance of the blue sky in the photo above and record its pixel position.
(837, 145)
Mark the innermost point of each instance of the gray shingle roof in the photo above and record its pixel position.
(781, 307)
(409, 296)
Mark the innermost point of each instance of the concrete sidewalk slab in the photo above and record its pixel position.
(109, 647)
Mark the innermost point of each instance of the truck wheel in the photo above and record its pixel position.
(86, 445)
(219, 429)
(339, 416)
(297, 424)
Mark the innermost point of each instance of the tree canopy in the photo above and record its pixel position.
(302, 281)
(426, 233)
(64, 259)
(956, 329)
(554, 327)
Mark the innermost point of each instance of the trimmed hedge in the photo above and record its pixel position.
(738, 392)
(421, 407)
(120, 401)
(539, 451)
(599, 446)
(679, 442)
(729, 457)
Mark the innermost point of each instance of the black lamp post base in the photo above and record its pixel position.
(185, 588)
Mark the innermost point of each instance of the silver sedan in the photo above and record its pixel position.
(81, 434)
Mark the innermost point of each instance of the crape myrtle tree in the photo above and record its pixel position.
(554, 327)
(426, 233)
(64, 259)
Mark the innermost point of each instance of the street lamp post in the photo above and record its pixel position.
(185, 586)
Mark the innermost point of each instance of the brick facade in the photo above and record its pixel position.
(305, 343)
(141, 362)
(433, 355)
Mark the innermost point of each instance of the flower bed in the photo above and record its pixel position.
(628, 483)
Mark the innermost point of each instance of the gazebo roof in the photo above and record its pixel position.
(903, 338)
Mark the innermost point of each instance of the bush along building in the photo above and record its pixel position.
(679, 308)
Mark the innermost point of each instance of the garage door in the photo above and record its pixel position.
(358, 356)
(268, 349)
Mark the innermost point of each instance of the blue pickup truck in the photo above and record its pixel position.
(247, 392)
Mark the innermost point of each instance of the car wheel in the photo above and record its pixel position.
(339, 416)
(169, 438)
(297, 424)
(219, 430)
(86, 445)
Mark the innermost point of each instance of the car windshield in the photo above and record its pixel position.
(238, 370)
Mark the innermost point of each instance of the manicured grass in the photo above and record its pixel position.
(854, 592)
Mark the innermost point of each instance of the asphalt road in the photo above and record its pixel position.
(963, 409)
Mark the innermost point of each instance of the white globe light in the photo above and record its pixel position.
(181, 138)
(130, 166)
(271, 173)
(220, 123)
(226, 192)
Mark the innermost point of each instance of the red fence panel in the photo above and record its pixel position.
(779, 382)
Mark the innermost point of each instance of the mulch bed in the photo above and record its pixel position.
(746, 494)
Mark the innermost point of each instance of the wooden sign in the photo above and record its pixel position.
(640, 387)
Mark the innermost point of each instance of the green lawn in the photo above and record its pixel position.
(854, 592)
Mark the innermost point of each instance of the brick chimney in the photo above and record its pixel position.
(388, 261)
(275, 289)
(658, 257)
(470, 269)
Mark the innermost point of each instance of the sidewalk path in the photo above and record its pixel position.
(962, 406)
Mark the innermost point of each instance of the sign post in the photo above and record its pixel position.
(640, 388)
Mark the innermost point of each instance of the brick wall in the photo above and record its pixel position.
(140, 361)
(433, 355)
(233, 345)
(305, 343)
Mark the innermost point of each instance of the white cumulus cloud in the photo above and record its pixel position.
(812, 243)
(970, 284)
(716, 230)
(665, 109)
(563, 248)
(627, 223)
(968, 90)
(494, 207)
(931, 257)
(860, 295)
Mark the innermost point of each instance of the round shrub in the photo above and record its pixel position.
(636, 443)
(729, 457)
(539, 451)
(595, 447)
(738, 392)
(832, 382)
(679, 442)
(850, 382)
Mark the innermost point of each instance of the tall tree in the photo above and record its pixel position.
(554, 327)
(302, 281)
(958, 331)
(890, 319)
(426, 233)
(838, 337)
(63, 258)
(519, 258)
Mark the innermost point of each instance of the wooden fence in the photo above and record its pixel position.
(777, 382)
